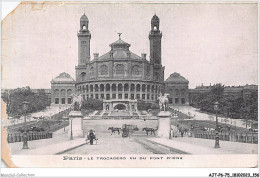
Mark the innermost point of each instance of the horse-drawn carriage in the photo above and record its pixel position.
(128, 130)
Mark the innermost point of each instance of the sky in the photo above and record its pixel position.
(204, 42)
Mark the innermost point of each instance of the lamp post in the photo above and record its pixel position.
(216, 108)
(71, 135)
(25, 136)
(64, 120)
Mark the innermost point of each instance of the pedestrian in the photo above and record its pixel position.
(189, 133)
(91, 136)
(182, 132)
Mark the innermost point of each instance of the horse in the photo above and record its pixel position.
(114, 130)
(152, 130)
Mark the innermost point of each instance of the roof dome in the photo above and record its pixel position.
(155, 18)
(119, 50)
(176, 78)
(120, 43)
(84, 18)
(63, 77)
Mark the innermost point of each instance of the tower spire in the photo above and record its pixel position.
(84, 37)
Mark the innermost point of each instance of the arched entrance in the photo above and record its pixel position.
(120, 106)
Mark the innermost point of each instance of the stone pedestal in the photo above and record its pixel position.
(76, 124)
(164, 124)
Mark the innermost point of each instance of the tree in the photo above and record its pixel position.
(217, 91)
(229, 106)
(14, 99)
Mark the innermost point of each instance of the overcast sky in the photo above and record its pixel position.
(205, 43)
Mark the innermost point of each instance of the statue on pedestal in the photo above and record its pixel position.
(77, 101)
(163, 101)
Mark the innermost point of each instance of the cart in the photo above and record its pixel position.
(127, 130)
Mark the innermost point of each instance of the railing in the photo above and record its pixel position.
(18, 137)
(248, 137)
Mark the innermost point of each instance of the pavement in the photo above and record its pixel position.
(56, 145)
(205, 146)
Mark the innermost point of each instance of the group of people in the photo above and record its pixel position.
(181, 131)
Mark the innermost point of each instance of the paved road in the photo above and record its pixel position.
(114, 144)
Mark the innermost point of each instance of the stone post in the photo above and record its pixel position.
(164, 124)
(76, 124)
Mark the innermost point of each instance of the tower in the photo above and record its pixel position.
(84, 37)
(155, 37)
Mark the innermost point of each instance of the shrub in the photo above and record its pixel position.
(142, 105)
(93, 104)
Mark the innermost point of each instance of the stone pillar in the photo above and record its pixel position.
(88, 91)
(111, 106)
(164, 124)
(117, 91)
(76, 124)
(110, 92)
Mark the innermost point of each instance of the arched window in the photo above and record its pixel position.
(143, 88)
(62, 92)
(120, 69)
(96, 87)
(113, 87)
(83, 76)
(182, 91)
(84, 27)
(120, 87)
(103, 70)
(126, 87)
(91, 88)
(87, 88)
(136, 70)
(148, 88)
(156, 89)
(107, 87)
(138, 87)
(152, 88)
(69, 92)
(132, 87)
(56, 92)
(155, 27)
(101, 87)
